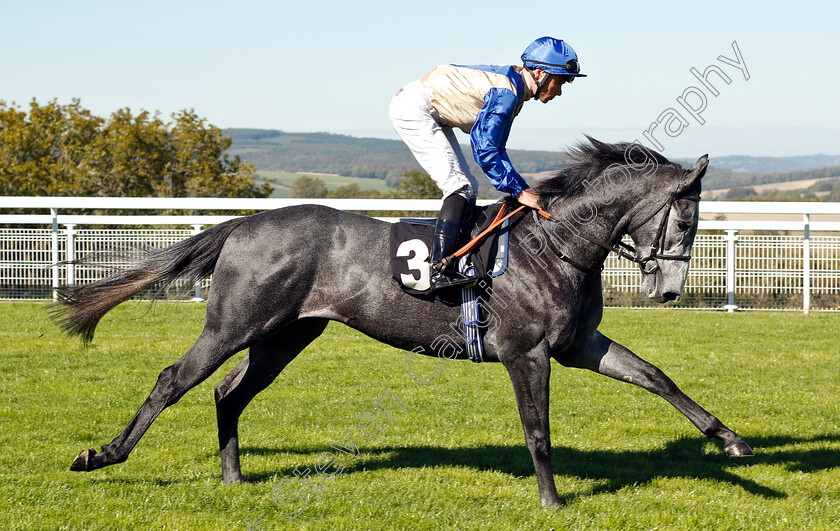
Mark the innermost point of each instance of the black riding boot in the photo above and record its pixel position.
(447, 228)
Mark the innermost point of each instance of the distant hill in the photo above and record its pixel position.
(819, 189)
(274, 150)
(719, 179)
(321, 153)
(747, 164)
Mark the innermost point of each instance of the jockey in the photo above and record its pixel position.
(482, 101)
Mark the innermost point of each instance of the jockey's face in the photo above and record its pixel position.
(552, 88)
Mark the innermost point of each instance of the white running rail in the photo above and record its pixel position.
(790, 258)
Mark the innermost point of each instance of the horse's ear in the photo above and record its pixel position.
(692, 177)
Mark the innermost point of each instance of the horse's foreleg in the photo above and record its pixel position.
(603, 355)
(529, 374)
(173, 382)
(265, 360)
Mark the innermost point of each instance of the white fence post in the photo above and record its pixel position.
(71, 253)
(806, 265)
(731, 238)
(197, 291)
(54, 214)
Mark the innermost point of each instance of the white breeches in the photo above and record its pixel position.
(433, 145)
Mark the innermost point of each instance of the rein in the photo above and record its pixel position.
(472, 244)
(648, 264)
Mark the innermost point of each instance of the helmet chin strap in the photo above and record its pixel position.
(540, 83)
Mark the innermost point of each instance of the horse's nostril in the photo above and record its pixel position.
(670, 296)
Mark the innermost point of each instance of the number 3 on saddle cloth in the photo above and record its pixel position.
(411, 244)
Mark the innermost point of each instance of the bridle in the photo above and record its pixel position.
(649, 264)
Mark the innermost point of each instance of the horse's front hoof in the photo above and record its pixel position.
(83, 461)
(739, 449)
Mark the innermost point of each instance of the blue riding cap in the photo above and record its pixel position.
(553, 56)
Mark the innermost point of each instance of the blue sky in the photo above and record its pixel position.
(333, 66)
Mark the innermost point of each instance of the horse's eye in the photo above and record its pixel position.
(683, 225)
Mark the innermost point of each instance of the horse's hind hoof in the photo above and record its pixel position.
(83, 461)
(739, 449)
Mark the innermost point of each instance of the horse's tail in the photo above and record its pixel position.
(79, 308)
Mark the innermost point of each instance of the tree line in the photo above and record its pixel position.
(65, 150)
(412, 185)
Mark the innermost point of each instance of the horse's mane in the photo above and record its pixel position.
(588, 159)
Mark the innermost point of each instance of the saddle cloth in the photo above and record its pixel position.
(411, 244)
(411, 249)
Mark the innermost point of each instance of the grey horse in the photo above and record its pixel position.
(280, 276)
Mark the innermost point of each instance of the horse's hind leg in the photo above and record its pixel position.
(195, 366)
(254, 373)
(602, 355)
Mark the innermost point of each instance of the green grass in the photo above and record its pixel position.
(455, 458)
(282, 181)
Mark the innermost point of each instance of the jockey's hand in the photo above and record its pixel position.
(529, 199)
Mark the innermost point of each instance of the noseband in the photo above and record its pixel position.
(648, 264)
